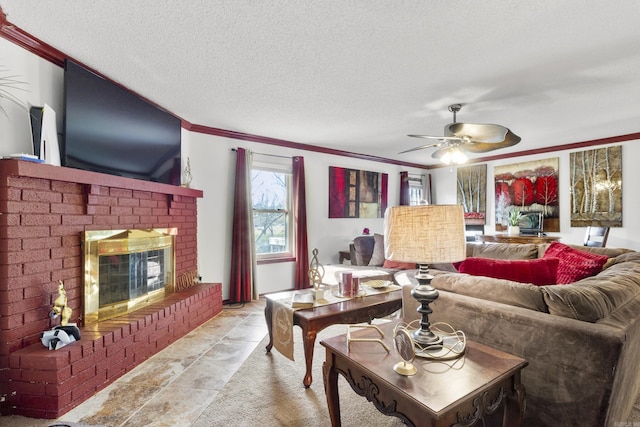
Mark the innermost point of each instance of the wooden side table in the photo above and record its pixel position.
(313, 320)
(484, 384)
(505, 238)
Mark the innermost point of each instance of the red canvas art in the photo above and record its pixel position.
(357, 194)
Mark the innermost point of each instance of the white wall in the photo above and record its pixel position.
(42, 84)
(213, 168)
(627, 236)
(213, 164)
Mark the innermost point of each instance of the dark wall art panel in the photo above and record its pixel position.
(357, 194)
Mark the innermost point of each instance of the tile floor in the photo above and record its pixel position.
(174, 386)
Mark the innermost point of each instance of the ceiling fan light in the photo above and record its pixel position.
(458, 156)
(454, 155)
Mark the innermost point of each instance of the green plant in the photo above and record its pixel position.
(9, 83)
(514, 217)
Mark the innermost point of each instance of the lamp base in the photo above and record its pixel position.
(425, 294)
(405, 368)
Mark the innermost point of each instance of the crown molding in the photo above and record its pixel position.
(554, 148)
(293, 145)
(25, 40)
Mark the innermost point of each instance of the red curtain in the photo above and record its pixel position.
(242, 275)
(301, 279)
(384, 185)
(404, 188)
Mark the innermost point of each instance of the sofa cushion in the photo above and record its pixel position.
(503, 251)
(399, 265)
(377, 257)
(595, 297)
(610, 252)
(539, 271)
(504, 291)
(627, 257)
(574, 264)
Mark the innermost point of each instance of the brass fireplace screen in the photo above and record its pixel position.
(126, 270)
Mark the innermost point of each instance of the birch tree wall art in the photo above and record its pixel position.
(596, 187)
(472, 193)
(529, 187)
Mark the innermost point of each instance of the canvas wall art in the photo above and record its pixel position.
(357, 194)
(596, 187)
(529, 187)
(472, 193)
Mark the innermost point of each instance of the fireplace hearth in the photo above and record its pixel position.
(46, 211)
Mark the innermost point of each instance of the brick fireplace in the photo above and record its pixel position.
(44, 212)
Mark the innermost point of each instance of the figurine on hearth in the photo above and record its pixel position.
(67, 332)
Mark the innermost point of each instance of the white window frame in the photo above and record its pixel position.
(416, 191)
(278, 165)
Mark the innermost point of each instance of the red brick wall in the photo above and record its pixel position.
(43, 211)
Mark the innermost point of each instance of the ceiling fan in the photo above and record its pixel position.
(469, 137)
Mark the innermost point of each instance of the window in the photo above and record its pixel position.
(415, 191)
(272, 214)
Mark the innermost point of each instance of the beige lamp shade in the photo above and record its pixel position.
(425, 234)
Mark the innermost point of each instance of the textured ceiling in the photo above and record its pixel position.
(361, 75)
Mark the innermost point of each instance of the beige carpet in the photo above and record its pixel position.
(267, 390)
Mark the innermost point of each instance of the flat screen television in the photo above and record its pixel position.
(111, 130)
(531, 223)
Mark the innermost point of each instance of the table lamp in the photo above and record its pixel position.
(424, 235)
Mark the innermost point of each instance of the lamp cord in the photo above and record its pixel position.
(444, 330)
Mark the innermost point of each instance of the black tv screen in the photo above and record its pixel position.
(111, 130)
(531, 222)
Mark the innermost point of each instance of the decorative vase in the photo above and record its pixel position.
(513, 230)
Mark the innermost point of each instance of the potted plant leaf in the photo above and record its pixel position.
(8, 84)
(514, 220)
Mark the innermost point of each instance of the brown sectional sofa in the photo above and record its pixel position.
(582, 340)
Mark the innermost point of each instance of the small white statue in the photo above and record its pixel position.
(316, 274)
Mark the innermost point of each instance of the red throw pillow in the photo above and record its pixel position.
(574, 264)
(399, 265)
(536, 271)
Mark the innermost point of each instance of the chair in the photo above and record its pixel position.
(596, 237)
(361, 250)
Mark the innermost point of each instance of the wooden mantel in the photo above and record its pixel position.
(11, 167)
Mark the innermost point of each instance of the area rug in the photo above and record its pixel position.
(267, 390)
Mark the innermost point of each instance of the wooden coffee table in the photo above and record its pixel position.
(313, 320)
(483, 384)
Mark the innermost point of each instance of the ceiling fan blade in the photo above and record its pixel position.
(478, 132)
(439, 153)
(470, 137)
(474, 146)
(440, 138)
(422, 147)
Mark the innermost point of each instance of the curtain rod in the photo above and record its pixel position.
(265, 154)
